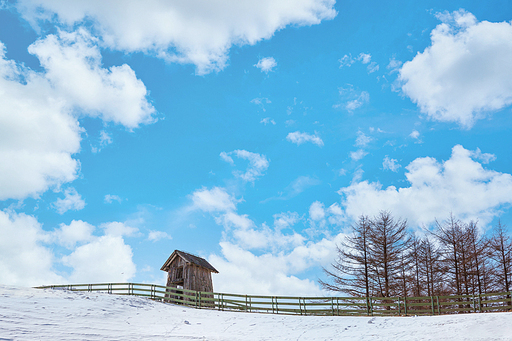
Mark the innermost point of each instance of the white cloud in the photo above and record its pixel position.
(242, 271)
(372, 67)
(196, 31)
(105, 140)
(39, 130)
(258, 164)
(415, 134)
(118, 229)
(266, 64)
(394, 65)
(110, 198)
(77, 231)
(316, 211)
(346, 60)
(459, 185)
(285, 220)
(358, 155)
(390, 164)
(363, 98)
(320, 217)
(106, 259)
(73, 66)
(484, 157)
(24, 261)
(362, 139)
(299, 138)
(268, 120)
(213, 200)
(224, 156)
(261, 102)
(155, 236)
(352, 99)
(365, 58)
(464, 73)
(37, 136)
(72, 201)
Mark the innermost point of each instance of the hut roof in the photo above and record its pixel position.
(187, 257)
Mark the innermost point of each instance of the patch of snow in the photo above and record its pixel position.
(45, 314)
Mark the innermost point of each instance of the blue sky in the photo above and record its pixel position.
(249, 133)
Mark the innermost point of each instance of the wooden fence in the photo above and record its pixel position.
(333, 306)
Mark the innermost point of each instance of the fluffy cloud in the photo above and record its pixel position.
(118, 229)
(362, 139)
(73, 66)
(26, 256)
(245, 272)
(258, 164)
(213, 200)
(317, 211)
(266, 64)
(358, 155)
(106, 259)
(23, 259)
(110, 198)
(459, 185)
(76, 232)
(320, 217)
(39, 130)
(197, 31)
(464, 73)
(72, 201)
(390, 164)
(37, 135)
(299, 138)
(155, 236)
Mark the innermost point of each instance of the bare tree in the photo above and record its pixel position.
(431, 267)
(449, 235)
(351, 269)
(500, 250)
(388, 242)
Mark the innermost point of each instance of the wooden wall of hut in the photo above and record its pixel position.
(184, 275)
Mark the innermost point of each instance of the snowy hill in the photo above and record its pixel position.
(35, 314)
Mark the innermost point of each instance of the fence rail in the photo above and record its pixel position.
(334, 306)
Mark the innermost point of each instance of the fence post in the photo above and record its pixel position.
(405, 305)
(399, 311)
(438, 307)
(474, 304)
(367, 306)
(479, 303)
(432, 301)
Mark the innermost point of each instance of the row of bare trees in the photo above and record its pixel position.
(382, 258)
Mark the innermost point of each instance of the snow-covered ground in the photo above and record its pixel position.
(34, 314)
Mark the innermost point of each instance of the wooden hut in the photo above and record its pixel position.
(186, 271)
